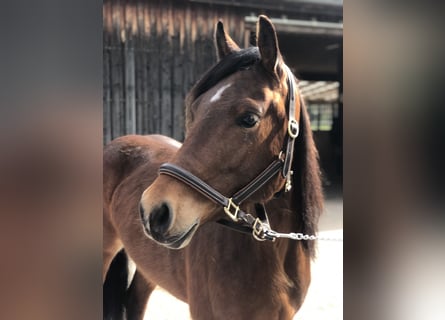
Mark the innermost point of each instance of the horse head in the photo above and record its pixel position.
(236, 125)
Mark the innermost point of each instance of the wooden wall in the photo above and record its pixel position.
(153, 52)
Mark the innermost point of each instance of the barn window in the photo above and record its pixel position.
(321, 99)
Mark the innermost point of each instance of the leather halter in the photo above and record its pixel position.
(259, 227)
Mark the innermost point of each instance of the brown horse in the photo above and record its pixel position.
(237, 120)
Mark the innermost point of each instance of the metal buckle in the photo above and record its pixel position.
(258, 230)
(233, 216)
(293, 128)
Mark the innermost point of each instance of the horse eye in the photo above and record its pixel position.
(248, 120)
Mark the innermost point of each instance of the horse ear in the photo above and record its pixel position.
(223, 43)
(267, 43)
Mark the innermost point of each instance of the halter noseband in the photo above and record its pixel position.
(259, 227)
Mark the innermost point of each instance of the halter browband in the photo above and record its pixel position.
(259, 227)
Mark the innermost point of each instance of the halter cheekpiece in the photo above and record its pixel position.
(239, 220)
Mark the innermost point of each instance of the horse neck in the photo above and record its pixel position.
(283, 213)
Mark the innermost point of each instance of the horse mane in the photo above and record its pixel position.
(228, 65)
(307, 177)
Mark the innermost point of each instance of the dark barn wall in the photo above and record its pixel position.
(153, 52)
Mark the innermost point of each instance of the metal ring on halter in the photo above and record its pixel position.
(258, 230)
(293, 128)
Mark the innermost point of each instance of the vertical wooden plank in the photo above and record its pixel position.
(138, 42)
(147, 127)
(247, 39)
(122, 65)
(106, 96)
(177, 98)
(209, 50)
(129, 72)
(201, 43)
(186, 75)
(116, 72)
(241, 29)
(188, 43)
(106, 73)
(148, 87)
(198, 43)
(154, 69)
(192, 47)
(165, 59)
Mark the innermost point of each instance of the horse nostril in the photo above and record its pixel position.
(159, 221)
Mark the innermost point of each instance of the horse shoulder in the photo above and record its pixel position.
(126, 154)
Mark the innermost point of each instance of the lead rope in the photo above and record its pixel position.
(299, 236)
(260, 228)
(261, 231)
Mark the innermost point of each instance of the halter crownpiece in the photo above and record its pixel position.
(259, 227)
(293, 128)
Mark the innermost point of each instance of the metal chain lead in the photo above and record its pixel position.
(298, 236)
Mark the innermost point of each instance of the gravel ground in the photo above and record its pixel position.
(325, 296)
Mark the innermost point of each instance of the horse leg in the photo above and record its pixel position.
(119, 296)
(137, 296)
(115, 287)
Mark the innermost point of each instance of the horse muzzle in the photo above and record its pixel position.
(157, 227)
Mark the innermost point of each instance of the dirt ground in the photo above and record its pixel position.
(325, 296)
